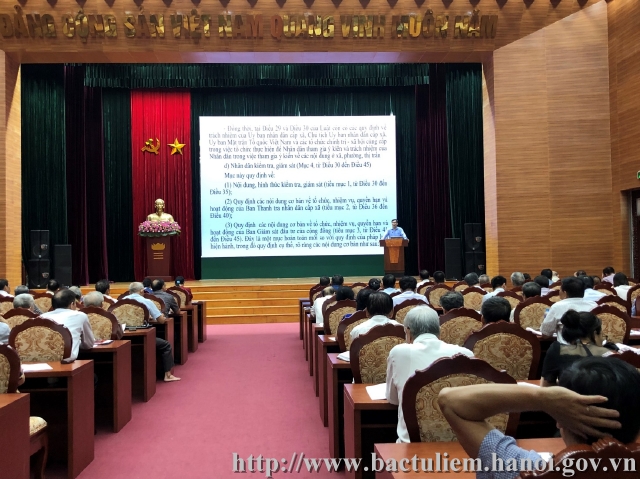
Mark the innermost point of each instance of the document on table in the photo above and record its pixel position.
(635, 332)
(377, 392)
(27, 368)
(344, 356)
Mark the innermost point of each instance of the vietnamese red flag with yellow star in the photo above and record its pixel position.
(161, 168)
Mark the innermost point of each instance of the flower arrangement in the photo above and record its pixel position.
(161, 228)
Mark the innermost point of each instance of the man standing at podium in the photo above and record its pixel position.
(395, 231)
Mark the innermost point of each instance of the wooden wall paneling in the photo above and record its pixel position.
(579, 141)
(522, 173)
(553, 148)
(10, 172)
(490, 187)
(624, 71)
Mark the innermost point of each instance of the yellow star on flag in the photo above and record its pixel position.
(176, 147)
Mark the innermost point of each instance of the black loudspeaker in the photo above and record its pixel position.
(62, 263)
(474, 262)
(39, 244)
(473, 237)
(38, 271)
(452, 258)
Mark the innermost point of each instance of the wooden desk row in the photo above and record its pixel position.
(67, 397)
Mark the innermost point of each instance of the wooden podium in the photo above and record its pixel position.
(394, 255)
(159, 257)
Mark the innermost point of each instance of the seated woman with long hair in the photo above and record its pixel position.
(583, 333)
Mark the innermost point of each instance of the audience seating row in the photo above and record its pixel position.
(34, 339)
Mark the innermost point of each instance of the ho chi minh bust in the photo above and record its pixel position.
(160, 215)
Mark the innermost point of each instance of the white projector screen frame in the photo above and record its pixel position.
(296, 186)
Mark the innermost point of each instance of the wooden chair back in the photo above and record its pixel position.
(356, 287)
(158, 302)
(627, 356)
(425, 422)
(517, 290)
(315, 291)
(335, 313)
(553, 296)
(17, 316)
(507, 347)
(343, 335)
(185, 296)
(424, 286)
(400, 310)
(43, 301)
(130, 312)
(9, 369)
(615, 323)
(460, 286)
(6, 304)
(434, 293)
(103, 323)
(617, 302)
(633, 294)
(555, 286)
(123, 295)
(328, 302)
(473, 298)
(107, 302)
(176, 297)
(605, 288)
(395, 293)
(530, 312)
(604, 451)
(514, 298)
(457, 324)
(41, 340)
(369, 352)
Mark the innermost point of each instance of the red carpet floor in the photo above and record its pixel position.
(246, 390)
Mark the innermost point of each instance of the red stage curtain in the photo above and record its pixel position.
(165, 115)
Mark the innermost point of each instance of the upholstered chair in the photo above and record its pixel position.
(369, 352)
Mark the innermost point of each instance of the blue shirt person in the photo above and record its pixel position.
(395, 231)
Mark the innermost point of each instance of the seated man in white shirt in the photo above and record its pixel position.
(517, 279)
(64, 312)
(529, 290)
(547, 273)
(597, 397)
(451, 300)
(52, 287)
(439, 277)
(25, 301)
(103, 286)
(473, 281)
(162, 346)
(408, 286)
(423, 347)
(4, 288)
(379, 312)
(590, 294)
(95, 299)
(608, 273)
(22, 289)
(495, 309)
(424, 277)
(316, 310)
(498, 283)
(571, 295)
(621, 285)
(389, 284)
(543, 281)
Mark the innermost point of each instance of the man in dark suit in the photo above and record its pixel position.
(159, 290)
